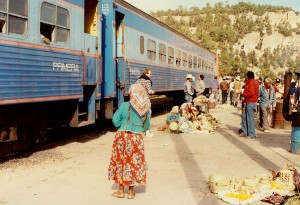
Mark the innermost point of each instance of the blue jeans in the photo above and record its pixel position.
(248, 126)
(188, 98)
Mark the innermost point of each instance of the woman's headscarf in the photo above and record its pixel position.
(139, 100)
(175, 110)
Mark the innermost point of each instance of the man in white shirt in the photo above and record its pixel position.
(200, 85)
(189, 88)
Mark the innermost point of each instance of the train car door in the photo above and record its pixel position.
(120, 48)
(86, 111)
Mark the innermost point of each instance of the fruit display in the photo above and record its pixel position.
(192, 121)
(254, 188)
(200, 99)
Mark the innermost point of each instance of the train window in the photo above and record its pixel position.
(204, 65)
(142, 44)
(13, 19)
(2, 23)
(151, 50)
(195, 62)
(190, 61)
(63, 25)
(3, 5)
(184, 59)
(178, 58)
(17, 25)
(170, 55)
(199, 63)
(18, 7)
(162, 53)
(55, 23)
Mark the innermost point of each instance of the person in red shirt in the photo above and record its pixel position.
(250, 95)
(276, 84)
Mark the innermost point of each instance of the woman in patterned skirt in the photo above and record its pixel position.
(127, 164)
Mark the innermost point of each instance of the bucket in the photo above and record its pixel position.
(279, 121)
(295, 140)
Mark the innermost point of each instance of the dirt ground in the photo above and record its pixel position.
(179, 165)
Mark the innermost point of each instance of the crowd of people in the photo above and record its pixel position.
(127, 163)
(258, 97)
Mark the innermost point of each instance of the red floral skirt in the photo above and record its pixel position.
(127, 163)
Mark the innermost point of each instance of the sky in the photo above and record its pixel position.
(154, 5)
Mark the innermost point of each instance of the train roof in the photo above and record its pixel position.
(154, 20)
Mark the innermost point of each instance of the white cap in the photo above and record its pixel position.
(189, 76)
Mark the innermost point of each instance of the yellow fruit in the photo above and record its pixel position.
(240, 196)
(276, 186)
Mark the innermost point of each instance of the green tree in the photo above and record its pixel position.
(285, 29)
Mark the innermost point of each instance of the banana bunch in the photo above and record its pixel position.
(239, 196)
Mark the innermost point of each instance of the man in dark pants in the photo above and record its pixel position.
(224, 87)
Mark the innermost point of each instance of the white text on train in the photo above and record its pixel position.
(133, 71)
(69, 67)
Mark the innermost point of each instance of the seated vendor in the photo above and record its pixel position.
(174, 115)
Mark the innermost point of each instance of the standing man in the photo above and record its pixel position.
(200, 86)
(250, 94)
(279, 88)
(277, 81)
(297, 97)
(237, 86)
(231, 90)
(267, 103)
(214, 86)
(224, 87)
(189, 88)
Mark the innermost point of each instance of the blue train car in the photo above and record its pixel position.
(50, 67)
(133, 41)
(66, 62)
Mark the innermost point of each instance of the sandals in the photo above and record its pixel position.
(131, 196)
(118, 194)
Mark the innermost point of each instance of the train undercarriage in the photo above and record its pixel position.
(24, 126)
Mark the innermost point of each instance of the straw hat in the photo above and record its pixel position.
(189, 76)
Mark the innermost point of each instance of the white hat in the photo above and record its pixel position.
(293, 80)
(268, 80)
(189, 76)
(175, 109)
(238, 78)
(224, 78)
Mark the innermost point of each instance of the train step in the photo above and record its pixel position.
(84, 123)
(82, 113)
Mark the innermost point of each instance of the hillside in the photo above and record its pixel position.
(262, 38)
